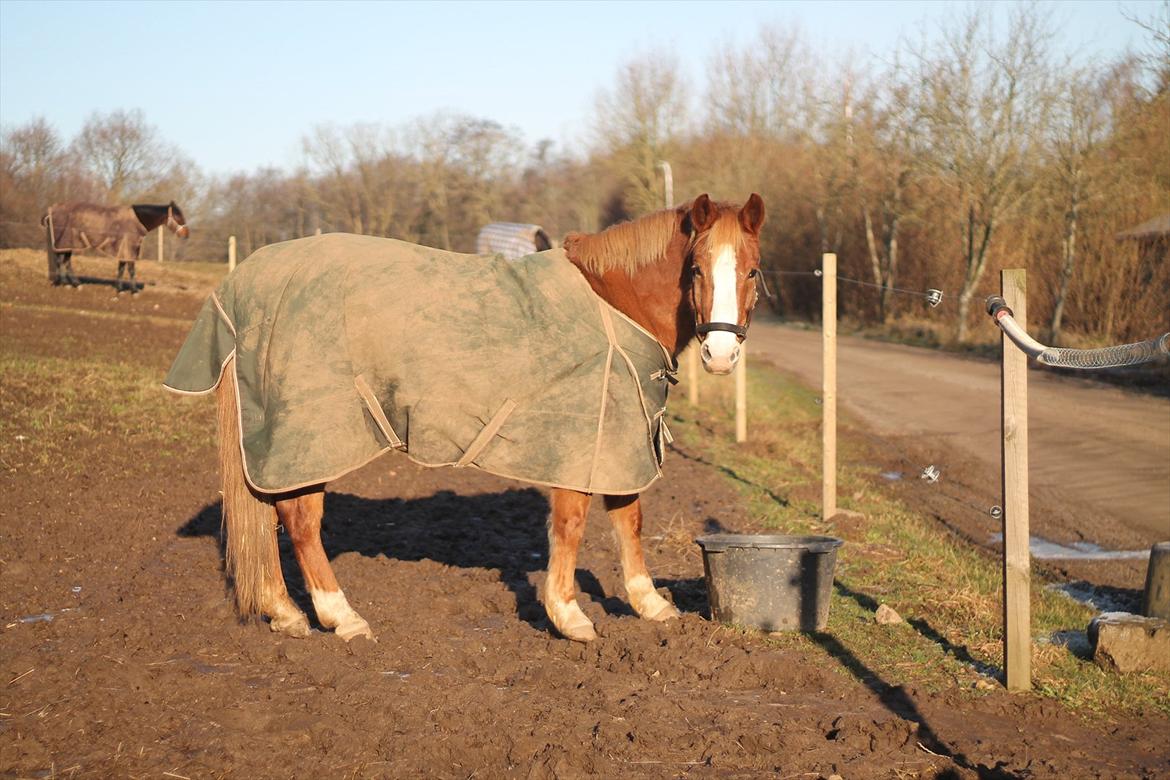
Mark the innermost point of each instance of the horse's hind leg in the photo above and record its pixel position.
(252, 555)
(67, 264)
(118, 281)
(625, 512)
(566, 527)
(301, 516)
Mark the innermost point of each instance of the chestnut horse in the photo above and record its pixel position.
(116, 231)
(678, 273)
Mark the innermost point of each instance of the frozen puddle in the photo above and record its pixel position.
(1042, 549)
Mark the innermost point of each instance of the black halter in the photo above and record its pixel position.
(707, 327)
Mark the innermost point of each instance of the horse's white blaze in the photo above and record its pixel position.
(720, 348)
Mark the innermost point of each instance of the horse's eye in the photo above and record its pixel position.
(696, 270)
(752, 274)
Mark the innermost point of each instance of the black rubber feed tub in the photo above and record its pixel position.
(770, 581)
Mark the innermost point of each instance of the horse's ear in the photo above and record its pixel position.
(751, 216)
(703, 213)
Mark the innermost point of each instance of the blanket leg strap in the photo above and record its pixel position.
(485, 436)
(375, 410)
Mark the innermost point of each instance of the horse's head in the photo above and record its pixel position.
(176, 221)
(724, 263)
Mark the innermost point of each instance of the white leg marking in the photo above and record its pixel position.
(570, 620)
(334, 611)
(646, 601)
(720, 348)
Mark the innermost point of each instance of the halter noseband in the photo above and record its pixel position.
(707, 327)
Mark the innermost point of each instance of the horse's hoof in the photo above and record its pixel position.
(355, 628)
(667, 611)
(570, 622)
(291, 625)
(580, 633)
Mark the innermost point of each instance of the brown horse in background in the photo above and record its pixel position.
(115, 231)
(678, 273)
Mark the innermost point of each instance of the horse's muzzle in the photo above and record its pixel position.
(182, 232)
(720, 360)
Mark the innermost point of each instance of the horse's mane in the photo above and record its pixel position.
(627, 246)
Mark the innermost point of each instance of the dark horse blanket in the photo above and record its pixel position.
(110, 230)
(347, 346)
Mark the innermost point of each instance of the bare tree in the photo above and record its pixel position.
(1079, 125)
(981, 102)
(122, 151)
(639, 122)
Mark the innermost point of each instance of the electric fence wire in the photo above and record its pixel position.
(932, 296)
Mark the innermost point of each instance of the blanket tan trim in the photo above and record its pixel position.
(52, 233)
(424, 464)
(667, 357)
(485, 436)
(375, 410)
(219, 307)
(222, 366)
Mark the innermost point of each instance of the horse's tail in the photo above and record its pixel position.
(251, 553)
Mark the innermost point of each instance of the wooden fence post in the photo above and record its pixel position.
(741, 395)
(231, 253)
(161, 238)
(829, 385)
(1017, 612)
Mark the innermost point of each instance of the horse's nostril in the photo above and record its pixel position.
(735, 354)
(706, 353)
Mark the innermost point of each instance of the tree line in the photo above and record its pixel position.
(973, 149)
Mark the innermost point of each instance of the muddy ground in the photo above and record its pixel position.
(120, 655)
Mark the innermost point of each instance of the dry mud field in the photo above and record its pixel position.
(120, 655)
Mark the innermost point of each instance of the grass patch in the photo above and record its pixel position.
(50, 406)
(947, 591)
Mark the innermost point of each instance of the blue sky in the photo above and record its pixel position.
(236, 85)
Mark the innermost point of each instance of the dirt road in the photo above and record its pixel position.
(1099, 454)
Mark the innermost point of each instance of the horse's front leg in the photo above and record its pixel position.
(625, 512)
(566, 526)
(134, 290)
(118, 281)
(68, 264)
(301, 517)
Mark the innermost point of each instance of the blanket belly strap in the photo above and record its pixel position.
(375, 410)
(489, 431)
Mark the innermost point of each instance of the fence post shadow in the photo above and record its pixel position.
(895, 697)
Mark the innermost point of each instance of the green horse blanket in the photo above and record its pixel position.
(348, 346)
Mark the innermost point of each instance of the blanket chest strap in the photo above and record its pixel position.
(375, 409)
(485, 436)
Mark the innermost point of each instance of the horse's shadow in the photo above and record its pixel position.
(504, 531)
(102, 281)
